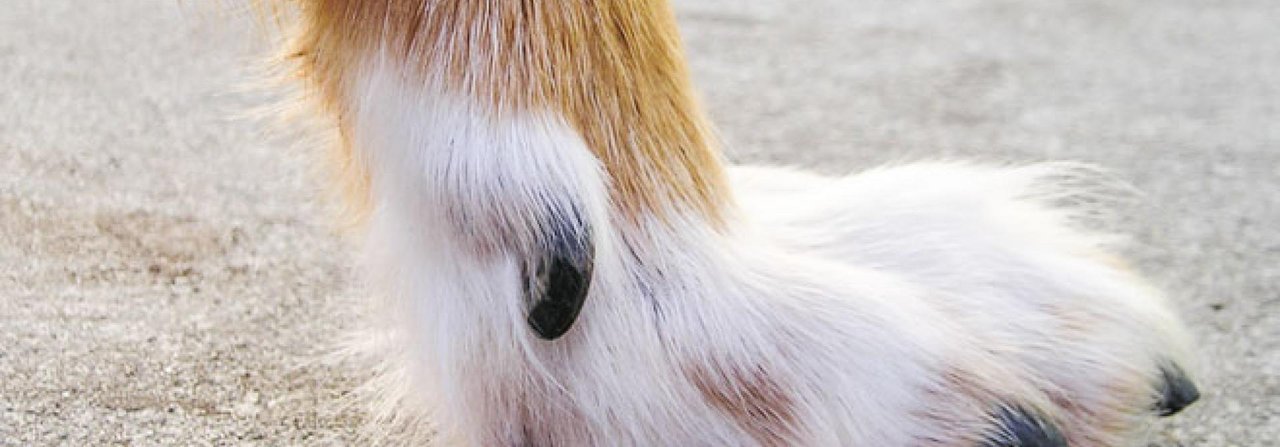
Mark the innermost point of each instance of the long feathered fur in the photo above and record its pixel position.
(486, 142)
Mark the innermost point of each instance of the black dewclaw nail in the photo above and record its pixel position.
(564, 291)
(561, 277)
(1022, 428)
(1177, 391)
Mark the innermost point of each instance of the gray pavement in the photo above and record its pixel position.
(167, 273)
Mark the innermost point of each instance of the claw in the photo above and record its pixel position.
(564, 290)
(1022, 428)
(561, 276)
(1177, 391)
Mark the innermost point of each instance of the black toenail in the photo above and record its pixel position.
(1177, 391)
(1022, 428)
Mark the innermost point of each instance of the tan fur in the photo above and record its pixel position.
(612, 67)
(762, 407)
(969, 421)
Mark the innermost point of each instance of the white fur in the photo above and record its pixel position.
(855, 295)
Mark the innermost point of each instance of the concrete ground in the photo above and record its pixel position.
(165, 271)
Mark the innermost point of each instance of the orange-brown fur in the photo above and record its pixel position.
(761, 406)
(613, 68)
(963, 422)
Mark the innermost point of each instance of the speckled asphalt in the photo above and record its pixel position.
(165, 270)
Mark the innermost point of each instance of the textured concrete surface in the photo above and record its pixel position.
(166, 272)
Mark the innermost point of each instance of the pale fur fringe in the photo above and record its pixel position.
(382, 401)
